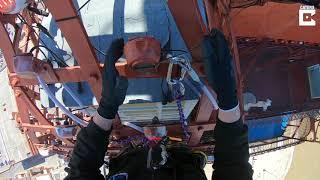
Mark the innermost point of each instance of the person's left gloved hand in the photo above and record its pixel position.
(114, 87)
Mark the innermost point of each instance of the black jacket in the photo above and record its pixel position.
(231, 157)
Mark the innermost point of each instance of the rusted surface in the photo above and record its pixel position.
(74, 32)
(204, 111)
(7, 47)
(197, 132)
(267, 71)
(190, 24)
(28, 104)
(74, 74)
(276, 21)
(142, 53)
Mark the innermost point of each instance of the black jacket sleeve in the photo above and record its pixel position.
(88, 154)
(231, 152)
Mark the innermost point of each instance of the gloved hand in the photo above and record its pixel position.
(114, 88)
(219, 69)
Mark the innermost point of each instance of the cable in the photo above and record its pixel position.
(99, 50)
(60, 61)
(57, 103)
(83, 6)
(173, 50)
(54, 55)
(79, 109)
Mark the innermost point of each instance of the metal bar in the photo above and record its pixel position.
(45, 129)
(204, 111)
(7, 47)
(76, 35)
(197, 132)
(74, 74)
(304, 140)
(28, 104)
(31, 145)
(186, 17)
(283, 16)
(23, 113)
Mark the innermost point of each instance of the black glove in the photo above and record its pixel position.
(219, 69)
(114, 88)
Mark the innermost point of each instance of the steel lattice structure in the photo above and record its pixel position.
(248, 30)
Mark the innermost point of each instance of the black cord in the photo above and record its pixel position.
(99, 51)
(44, 54)
(175, 50)
(80, 109)
(54, 55)
(61, 62)
(83, 6)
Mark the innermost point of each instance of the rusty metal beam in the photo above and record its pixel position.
(39, 128)
(276, 21)
(47, 129)
(28, 104)
(74, 74)
(23, 113)
(7, 47)
(185, 18)
(73, 30)
(197, 132)
(205, 110)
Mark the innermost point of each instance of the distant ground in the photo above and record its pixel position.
(306, 163)
(13, 144)
(269, 166)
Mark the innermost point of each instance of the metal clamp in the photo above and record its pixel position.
(185, 68)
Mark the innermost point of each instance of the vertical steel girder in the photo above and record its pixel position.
(73, 30)
(7, 47)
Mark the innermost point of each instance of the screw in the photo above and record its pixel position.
(200, 128)
(15, 81)
(17, 93)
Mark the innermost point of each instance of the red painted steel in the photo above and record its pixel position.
(190, 24)
(239, 22)
(276, 21)
(74, 32)
(74, 74)
(7, 47)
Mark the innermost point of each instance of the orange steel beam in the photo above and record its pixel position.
(205, 110)
(28, 104)
(7, 47)
(73, 30)
(190, 24)
(74, 74)
(275, 21)
(197, 132)
(47, 129)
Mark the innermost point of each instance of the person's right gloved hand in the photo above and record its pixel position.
(218, 63)
(114, 87)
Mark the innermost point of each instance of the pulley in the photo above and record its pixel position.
(143, 54)
(12, 6)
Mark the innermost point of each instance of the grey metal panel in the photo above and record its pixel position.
(314, 80)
